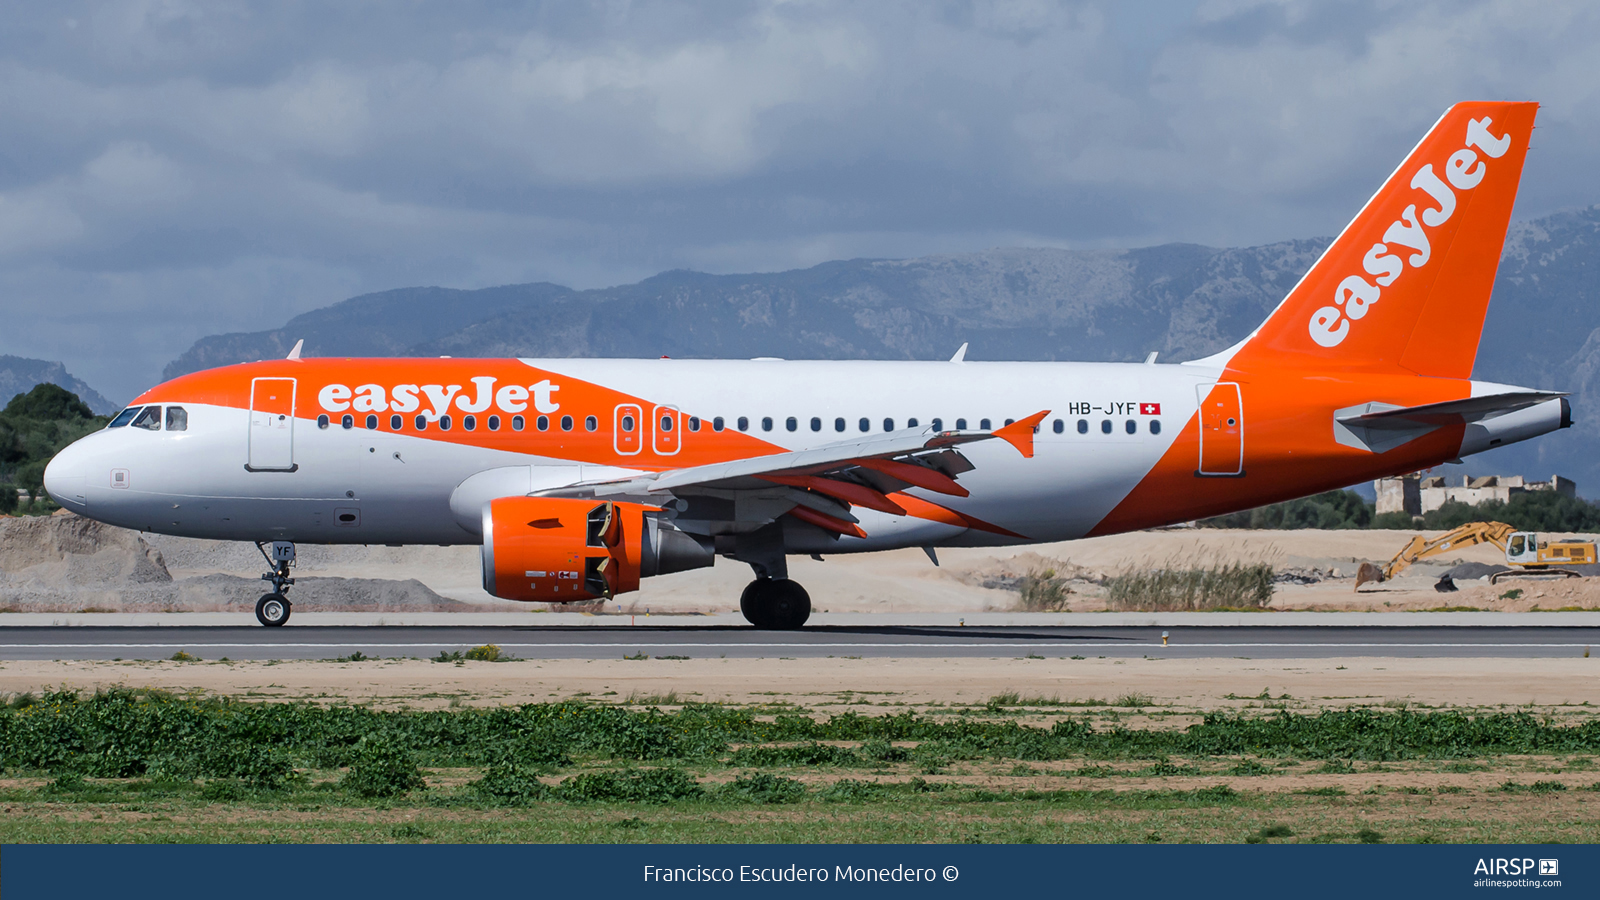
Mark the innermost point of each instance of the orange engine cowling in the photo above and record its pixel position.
(544, 548)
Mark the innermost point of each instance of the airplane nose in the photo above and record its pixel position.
(66, 478)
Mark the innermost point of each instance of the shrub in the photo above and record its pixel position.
(511, 785)
(1222, 586)
(486, 653)
(849, 790)
(763, 787)
(647, 786)
(880, 750)
(1042, 591)
(812, 754)
(381, 768)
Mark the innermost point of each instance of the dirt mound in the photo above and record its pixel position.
(1473, 570)
(70, 551)
(68, 563)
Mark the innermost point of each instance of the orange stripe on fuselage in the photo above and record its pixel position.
(1289, 448)
(230, 386)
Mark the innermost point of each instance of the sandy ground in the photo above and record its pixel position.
(1191, 684)
(905, 580)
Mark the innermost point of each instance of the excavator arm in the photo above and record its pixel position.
(1496, 533)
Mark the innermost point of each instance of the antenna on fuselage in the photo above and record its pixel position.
(295, 353)
(961, 354)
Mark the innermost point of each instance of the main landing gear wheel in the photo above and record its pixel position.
(775, 604)
(272, 610)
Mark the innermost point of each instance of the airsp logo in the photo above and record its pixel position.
(1355, 296)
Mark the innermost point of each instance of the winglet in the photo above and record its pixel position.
(295, 353)
(1019, 434)
(961, 354)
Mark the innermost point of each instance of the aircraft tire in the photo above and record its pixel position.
(272, 610)
(775, 604)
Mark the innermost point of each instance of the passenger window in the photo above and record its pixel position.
(744, 423)
(177, 418)
(694, 423)
(838, 424)
(322, 422)
(494, 423)
(542, 423)
(938, 424)
(791, 423)
(518, 423)
(888, 424)
(590, 423)
(470, 423)
(1105, 426)
(864, 425)
(1058, 426)
(911, 423)
(124, 417)
(666, 423)
(627, 424)
(1083, 426)
(396, 423)
(566, 423)
(961, 424)
(717, 424)
(347, 422)
(1131, 427)
(1155, 426)
(984, 425)
(766, 423)
(816, 424)
(444, 423)
(421, 422)
(372, 423)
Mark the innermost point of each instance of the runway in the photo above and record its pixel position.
(887, 641)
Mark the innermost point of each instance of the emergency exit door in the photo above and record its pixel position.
(1221, 430)
(272, 425)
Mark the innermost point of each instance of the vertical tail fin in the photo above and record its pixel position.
(1407, 284)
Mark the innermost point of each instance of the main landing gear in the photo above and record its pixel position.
(272, 609)
(775, 604)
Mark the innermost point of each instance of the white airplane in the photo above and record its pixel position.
(579, 477)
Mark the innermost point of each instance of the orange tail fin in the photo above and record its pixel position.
(1406, 285)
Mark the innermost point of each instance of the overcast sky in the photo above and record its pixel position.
(172, 169)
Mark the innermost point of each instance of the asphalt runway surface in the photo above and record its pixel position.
(568, 642)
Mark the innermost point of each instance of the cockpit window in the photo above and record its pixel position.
(149, 419)
(125, 417)
(177, 418)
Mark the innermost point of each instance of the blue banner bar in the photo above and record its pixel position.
(279, 872)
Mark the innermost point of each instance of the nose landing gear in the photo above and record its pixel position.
(775, 604)
(272, 609)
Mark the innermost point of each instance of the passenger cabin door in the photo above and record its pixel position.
(667, 435)
(272, 425)
(1221, 430)
(628, 429)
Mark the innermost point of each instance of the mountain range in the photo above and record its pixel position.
(1183, 300)
(18, 375)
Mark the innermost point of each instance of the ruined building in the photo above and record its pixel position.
(1416, 494)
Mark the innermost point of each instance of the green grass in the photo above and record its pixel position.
(147, 766)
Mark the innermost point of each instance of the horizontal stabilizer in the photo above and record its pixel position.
(1380, 427)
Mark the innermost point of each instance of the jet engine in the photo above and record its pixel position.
(558, 550)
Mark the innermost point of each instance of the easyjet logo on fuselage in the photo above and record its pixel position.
(1355, 295)
(408, 398)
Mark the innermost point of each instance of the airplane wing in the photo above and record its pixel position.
(821, 484)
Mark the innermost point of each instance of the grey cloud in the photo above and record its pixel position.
(173, 169)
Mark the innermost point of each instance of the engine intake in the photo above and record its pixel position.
(557, 550)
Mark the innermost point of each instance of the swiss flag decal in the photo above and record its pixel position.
(1149, 409)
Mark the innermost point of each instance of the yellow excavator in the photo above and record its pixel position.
(1525, 553)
